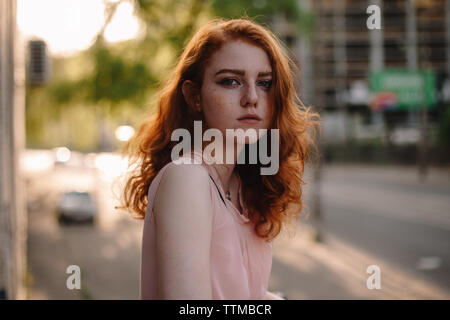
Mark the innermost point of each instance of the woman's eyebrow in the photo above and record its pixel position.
(242, 72)
(263, 74)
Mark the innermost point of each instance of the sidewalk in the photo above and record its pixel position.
(304, 269)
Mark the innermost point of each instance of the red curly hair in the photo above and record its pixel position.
(271, 199)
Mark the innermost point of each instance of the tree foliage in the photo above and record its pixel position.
(115, 79)
(264, 10)
(111, 78)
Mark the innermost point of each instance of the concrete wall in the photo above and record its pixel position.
(13, 219)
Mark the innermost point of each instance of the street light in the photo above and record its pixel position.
(124, 133)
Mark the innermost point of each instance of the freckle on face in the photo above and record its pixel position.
(223, 104)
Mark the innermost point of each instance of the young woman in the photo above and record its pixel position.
(208, 225)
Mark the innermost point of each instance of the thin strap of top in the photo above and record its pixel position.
(220, 194)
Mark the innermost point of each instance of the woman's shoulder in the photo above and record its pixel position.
(181, 168)
(187, 170)
(180, 182)
(185, 174)
(183, 193)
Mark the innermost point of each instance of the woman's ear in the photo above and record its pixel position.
(191, 95)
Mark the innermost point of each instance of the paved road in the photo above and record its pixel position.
(108, 253)
(381, 212)
(389, 214)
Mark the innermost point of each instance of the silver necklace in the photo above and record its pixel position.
(227, 194)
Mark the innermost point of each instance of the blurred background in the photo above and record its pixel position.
(78, 76)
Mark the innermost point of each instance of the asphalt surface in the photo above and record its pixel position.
(390, 214)
(371, 215)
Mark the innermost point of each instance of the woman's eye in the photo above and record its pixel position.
(265, 83)
(228, 81)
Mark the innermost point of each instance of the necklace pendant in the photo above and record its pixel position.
(227, 194)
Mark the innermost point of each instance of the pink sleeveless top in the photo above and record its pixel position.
(241, 261)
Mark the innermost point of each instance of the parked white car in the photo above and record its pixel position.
(77, 207)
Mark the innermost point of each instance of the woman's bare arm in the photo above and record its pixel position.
(183, 216)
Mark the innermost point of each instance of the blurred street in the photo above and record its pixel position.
(372, 215)
(81, 77)
(107, 252)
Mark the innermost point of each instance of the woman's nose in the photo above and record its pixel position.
(250, 96)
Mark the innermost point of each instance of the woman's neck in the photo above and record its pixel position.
(225, 170)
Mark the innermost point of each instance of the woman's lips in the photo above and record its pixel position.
(249, 120)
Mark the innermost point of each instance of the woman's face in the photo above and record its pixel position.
(237, 82)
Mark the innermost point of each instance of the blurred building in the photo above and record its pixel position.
(337, 62)
(412, 35)
(12, 139)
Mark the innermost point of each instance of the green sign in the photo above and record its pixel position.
(403, 89)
